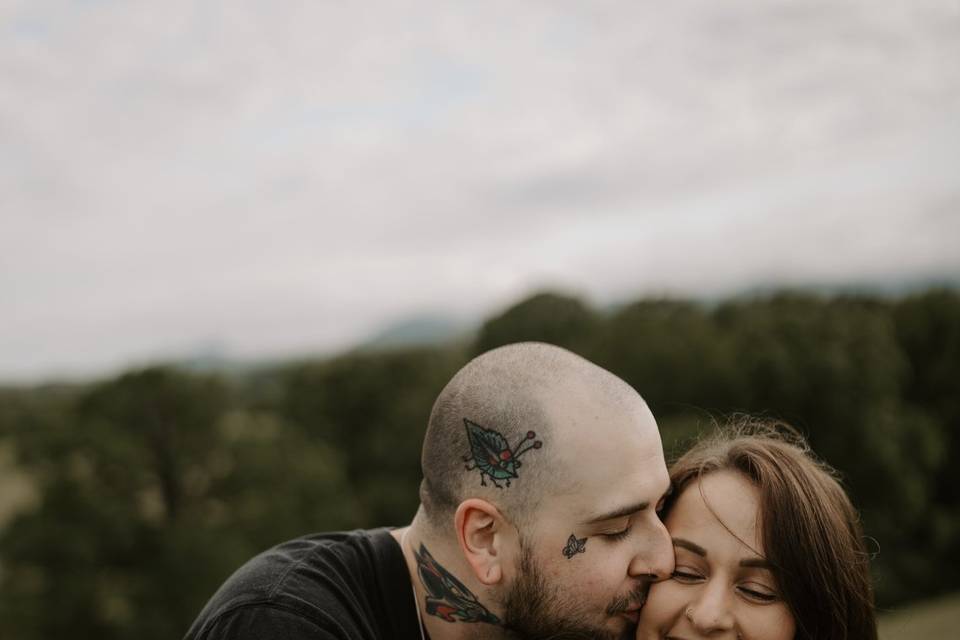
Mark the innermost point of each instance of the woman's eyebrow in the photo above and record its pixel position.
(759, 563)
(690, 546)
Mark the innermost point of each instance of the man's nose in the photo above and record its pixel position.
(654, 558)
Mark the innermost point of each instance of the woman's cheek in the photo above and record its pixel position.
(664, 603)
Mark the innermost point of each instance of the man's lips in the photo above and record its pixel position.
(640, 602)
(633, 615)
(632, 611)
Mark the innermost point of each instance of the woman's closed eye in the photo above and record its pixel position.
(758, 593)
(687, 575)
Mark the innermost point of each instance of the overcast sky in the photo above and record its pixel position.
(278, 178)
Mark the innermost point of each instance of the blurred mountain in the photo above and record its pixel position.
(418, 330)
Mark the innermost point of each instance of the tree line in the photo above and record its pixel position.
(151, 487)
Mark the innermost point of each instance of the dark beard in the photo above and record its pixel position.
(534, 611)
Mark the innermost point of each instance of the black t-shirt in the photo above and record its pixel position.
(329, 586)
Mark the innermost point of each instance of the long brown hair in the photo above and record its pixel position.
(810, 531)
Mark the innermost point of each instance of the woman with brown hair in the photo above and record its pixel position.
(768, 546)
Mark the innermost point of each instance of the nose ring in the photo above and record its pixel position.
(688, 614)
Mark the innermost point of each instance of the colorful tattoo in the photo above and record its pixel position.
(492, 455)
(574, 546)
(447, 597)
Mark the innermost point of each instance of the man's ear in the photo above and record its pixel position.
(482, 531)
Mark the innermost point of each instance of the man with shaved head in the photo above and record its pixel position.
(542, 478)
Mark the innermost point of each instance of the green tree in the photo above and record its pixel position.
(928, 330)
(545, 317)
(152, 487)
(374, 408)
(673, 354)
(153, 491)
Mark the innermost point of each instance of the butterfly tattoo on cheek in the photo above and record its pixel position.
(574, 546)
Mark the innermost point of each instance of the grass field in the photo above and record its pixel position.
(933, 619)
(16, 490)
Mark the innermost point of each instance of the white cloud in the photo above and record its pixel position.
(276, 178)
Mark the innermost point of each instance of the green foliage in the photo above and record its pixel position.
(672, 352)
(152, 487)
(545, 317)
(153, 491)
(373, 409)
(928, 330)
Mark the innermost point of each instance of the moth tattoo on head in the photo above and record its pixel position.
(448, 598)
(574, 546)
(491, 453)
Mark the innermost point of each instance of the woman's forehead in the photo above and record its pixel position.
(722, 501)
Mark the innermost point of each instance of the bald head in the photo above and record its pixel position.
(512, 425)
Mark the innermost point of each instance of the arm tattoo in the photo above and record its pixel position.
(491, 453)
(447, 597)
(574, 546)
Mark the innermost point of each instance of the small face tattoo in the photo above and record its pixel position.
(491, 453)
(574, 546)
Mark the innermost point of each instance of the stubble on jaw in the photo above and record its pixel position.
(533, 610)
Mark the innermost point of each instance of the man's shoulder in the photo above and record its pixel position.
(321, 582)
(287, 567)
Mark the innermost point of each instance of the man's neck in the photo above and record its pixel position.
(446, 612)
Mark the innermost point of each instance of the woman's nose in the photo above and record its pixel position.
(712, 612)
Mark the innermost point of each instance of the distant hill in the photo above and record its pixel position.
(419, 330)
